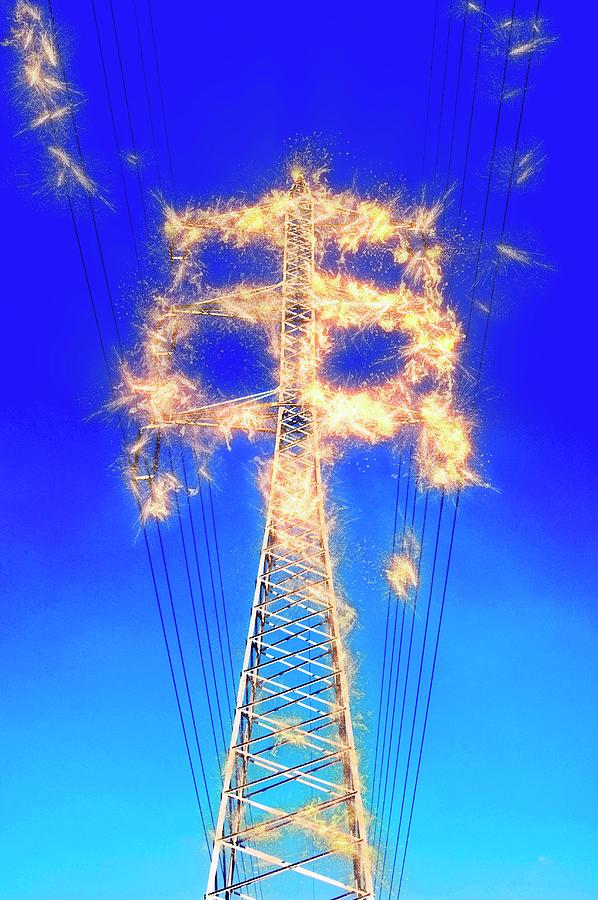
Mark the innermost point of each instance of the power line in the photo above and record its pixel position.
(181, 532)
(109, 375)
(217, 749)
(456, 103)
(160, 91)
(482, 234)
(391, 665)
(128, 111)
(176, 690)
(184, 668)
(88, 282)
(115, 133)
(419, 759)
(147, 93)
(223, 655)
(386, 629)
(491, 169)
(429, 96)
(507, 199)
(202, 596)
(472, 111)
(442, 96)
(419, 680)
(150, 561)
(393, 705)
(89, 197)
(378, 824)
(208, 550)
(218, 563)
(398, 749)
(480, 364)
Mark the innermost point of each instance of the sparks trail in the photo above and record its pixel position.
(48, 97)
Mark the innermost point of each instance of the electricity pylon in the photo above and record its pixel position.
(291, 819)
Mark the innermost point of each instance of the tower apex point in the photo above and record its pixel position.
(297, 174)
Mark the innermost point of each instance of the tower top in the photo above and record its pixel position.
(299, 183)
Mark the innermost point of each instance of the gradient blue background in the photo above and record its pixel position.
(95, 790)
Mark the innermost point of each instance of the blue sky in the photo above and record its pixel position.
(96, 791)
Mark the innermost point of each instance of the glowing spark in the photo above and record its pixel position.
(531, 46)
(514, 254)
(326, 828)
(527, 165)
(27, 11)
(402, 575)
(289, 732)
(132, 159)
(69, 171)
(523, 257)
(511, 94)
(157, 400)
(444, 445)
(159, 501)
(50, 115)
(48, 49)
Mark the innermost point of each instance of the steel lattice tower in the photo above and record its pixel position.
(291, 816)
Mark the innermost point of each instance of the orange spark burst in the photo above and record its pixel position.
(402, 575)
(158, 393)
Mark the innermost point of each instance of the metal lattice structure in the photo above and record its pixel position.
(291, 816)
